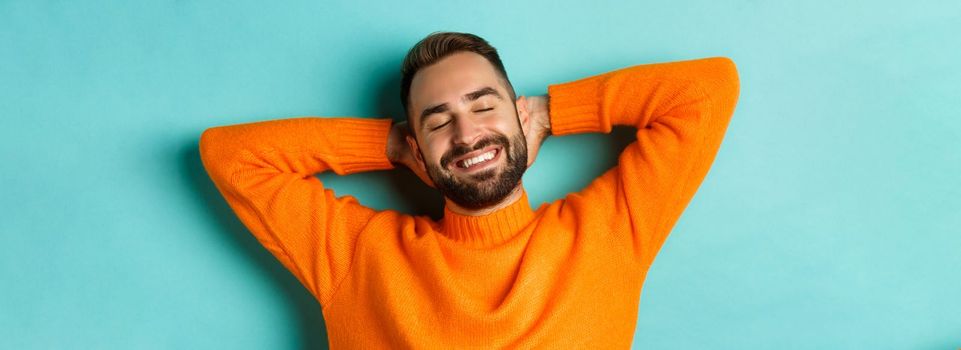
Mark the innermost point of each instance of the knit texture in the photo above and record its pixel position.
(566, 275)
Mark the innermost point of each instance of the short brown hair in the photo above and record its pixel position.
(438, 45)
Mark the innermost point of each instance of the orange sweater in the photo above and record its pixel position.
(566, 275)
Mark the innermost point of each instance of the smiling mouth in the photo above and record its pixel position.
(479, 161)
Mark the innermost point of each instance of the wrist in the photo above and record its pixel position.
(547, 113)
(392, 139)
(542, 115)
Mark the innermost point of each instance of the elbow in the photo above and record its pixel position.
(218, 154)
(725, 64)
(207, 142)
(725, 72)
(211, 148)
(724, 79)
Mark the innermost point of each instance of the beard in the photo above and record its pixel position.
(488, 187)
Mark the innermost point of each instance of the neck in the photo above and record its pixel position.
(508, 200)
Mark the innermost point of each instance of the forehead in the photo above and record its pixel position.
(450, 78)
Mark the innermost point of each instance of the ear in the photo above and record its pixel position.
(523, 114)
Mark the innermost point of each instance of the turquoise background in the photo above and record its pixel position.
(830, 219)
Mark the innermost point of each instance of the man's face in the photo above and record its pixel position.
(469, 131)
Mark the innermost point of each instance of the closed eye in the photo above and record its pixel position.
(484, 110)
(440, 126)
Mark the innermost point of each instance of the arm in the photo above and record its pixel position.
(265, 171)
(681, 111)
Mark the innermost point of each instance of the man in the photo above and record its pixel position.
(492, 273)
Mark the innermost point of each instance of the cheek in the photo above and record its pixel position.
(433, 153)
(508, 124)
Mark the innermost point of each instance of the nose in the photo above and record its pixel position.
(466, 131)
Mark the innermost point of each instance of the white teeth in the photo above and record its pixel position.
(481, 158)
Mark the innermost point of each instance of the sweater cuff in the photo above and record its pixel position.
(363, 144)
(575, 107)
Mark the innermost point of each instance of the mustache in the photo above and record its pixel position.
(460, 150)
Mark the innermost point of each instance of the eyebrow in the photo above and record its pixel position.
(470, 96)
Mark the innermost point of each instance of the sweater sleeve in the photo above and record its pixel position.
(265, 171)
(681, 111)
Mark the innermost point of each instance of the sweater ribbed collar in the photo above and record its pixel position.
(491, 229)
